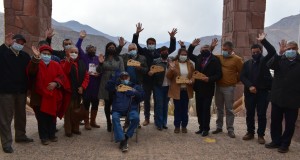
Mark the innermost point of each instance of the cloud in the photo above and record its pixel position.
(193, 18)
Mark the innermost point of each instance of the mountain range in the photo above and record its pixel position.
(286, 28)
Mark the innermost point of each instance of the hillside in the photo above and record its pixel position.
(286, 28)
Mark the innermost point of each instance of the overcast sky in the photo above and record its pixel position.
(193, 18)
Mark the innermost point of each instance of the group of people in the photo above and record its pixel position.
(60, 81)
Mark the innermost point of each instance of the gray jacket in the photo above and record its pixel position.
(107, 69)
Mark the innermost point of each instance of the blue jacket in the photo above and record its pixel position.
(122, 100)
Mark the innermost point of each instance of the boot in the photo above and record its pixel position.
(87, 125)
(93, 119)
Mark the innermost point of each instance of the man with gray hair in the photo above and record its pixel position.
(285, 95)
(136, 72)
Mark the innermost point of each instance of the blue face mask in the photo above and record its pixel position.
(133, 53)
(151, 47)
(46, 58)
(126, 82)
(225, 54)
(290, 54)
(17, 47)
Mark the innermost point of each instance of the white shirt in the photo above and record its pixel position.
(183, 72)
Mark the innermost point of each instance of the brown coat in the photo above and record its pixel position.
(174, 88)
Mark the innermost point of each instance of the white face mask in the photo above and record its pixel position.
(73, 56)
(182, 58)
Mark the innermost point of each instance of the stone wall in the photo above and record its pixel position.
(28, 17)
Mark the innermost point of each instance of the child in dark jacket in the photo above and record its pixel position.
(125, 103)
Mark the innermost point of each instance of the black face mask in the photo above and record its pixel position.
(164, 56)
(111, 51)
(92, 54)
(205, 53)
(256, 57)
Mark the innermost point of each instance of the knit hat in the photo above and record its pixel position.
(45, 47)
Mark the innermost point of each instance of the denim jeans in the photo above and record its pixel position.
(258, 102)
(161, 105)
(134, 121)
(181, 107)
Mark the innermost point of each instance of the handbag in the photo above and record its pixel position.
(80, 113)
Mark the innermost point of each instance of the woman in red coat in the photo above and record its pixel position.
(47, 79)
(77, 81)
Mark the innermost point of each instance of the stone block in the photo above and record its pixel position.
(242, 39)
(18, 22)
(242, 5)
(17, 5)
(31, 24)
(7, 3)
(240, 21)
(257, 20)
(258, 6)
(30, 7)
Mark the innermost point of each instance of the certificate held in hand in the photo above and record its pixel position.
(198, 75)
(156, 69)
(123, 88)
(182, 80)
(133, 63)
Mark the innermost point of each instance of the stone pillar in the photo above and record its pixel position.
(243, 20)
(28, 17)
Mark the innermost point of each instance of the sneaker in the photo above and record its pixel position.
(248, 136)
(272, 145)
(261, 140)
(282, 149)
(184, 130)
(176, 130)
(199, 132)
(231, 134)
(146, 122)
(218, 130)
(124, 146)
(24, 140)
(8, 149)
(204, 133)
(45, 142)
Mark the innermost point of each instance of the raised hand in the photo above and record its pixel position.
(9, 39)
(82, 34)
(80, 90)
(181, 43)
(35, 51)
(139, 28)
(49, 33)
(261, 36)
(196, 42)
(214, 42)
(52, 86)
(282, 46)
(173, 32)
(122, 42)
(101, 58)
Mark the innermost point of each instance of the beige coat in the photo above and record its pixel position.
(174, 88)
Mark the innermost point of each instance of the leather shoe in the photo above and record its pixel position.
(184, 130)
(176, 130)
(24, 140)
(231, 134)
(218, 130)
(199, 132)
(248, 136)
(8, 149)
(272, 145)
(261, 140)
(165, 127)
(204, 133)
(282, 149)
